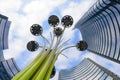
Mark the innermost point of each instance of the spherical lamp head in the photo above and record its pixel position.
(53, 20)
(67, 21)
(58, 31)
(36, 30)
(81, 45)
(32, 46)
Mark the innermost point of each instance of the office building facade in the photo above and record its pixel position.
(100, 28)
(4, 29)
(8, 68)
(87, 70)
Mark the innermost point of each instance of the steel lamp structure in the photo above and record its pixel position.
(42, 67)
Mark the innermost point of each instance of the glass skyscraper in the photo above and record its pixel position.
(87, 70)
(8, 68)
(100, 28)
(4, 29)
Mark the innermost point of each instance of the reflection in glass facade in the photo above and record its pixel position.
(100, 28)
(4, 28)
(8, 68)
(87, 70)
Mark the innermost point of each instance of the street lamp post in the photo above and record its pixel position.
(42, 67)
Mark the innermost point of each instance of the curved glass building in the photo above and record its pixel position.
(8, 68)
(100, 28)
(4, 29)
(87, 70)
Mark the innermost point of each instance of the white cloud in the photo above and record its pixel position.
(9, 5)
(77, 10)
(39, 10)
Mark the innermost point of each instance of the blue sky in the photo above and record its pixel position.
(24, 13)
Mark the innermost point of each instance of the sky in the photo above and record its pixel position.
(24, 13)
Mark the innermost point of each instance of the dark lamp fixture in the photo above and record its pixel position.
(81, 45)
(53, 21)
(53, 72)
(36, 30)
(58, 32)
(67, 21)
(32, 46)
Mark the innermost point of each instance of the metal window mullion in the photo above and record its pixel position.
(86, 71)
(100, 35)
(114, 28)
(111, 21)
(109, 29)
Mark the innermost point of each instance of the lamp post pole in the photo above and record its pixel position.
(42, 67)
